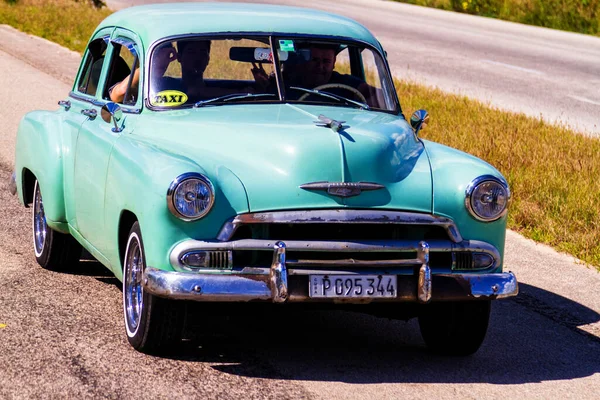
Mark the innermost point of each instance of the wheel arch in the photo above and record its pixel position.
(126, 221)
(28, 184)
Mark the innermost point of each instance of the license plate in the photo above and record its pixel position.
(369, 286)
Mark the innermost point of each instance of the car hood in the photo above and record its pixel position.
(274, 149)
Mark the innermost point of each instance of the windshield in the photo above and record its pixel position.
(203, 71)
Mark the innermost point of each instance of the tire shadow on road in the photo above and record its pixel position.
(533, 338)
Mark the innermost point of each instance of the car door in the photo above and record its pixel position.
(97, 137)
(82, 95)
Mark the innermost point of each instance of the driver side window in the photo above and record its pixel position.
(122, 85)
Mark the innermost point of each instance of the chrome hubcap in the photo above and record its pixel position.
(39, 222)
(133, 291)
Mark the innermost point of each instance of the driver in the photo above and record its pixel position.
(319, 70)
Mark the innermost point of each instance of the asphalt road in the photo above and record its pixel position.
(61, 334)
(537, 71)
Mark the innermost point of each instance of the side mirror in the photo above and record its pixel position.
(112, 111)
(419, 120)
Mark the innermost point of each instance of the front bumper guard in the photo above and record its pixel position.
(274, 287)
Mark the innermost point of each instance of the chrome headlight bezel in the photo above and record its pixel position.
(473, 186)
(176, 183)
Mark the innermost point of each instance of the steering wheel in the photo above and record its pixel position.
(337, 86)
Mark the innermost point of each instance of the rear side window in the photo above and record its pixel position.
(90, 76)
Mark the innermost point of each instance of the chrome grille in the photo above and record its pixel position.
(341, 239)
(463, 260)
(218, 260)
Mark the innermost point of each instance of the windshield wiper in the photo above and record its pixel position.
(332, 96)
(232, 96)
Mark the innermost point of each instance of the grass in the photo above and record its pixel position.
(581, 16)
(65, 22)
(553, 172)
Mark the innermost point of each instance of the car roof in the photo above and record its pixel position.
(157, 21)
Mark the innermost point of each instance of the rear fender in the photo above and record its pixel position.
(39, 152)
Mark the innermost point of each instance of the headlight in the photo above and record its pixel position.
(190, 196)
(487, 198)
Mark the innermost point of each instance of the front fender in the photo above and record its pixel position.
(138, 178)
(452, 171)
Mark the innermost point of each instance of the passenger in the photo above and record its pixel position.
(194, 57)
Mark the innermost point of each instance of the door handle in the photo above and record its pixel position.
(65, 103)
(90, 113)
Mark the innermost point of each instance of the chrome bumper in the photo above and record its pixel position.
(275, 285)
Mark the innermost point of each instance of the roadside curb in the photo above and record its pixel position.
(49, 57)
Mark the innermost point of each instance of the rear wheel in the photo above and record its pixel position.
(455, 328)
(152, 324)
(53, 250)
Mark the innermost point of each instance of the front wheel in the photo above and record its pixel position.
(152, 323)
(455, 328)
(53, 250)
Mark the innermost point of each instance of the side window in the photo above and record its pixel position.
(371, 68)
(375, 71)
(122, 84)
(342, 62)
(90, 75)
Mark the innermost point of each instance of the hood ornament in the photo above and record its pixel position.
(327, 122)
(342, 189)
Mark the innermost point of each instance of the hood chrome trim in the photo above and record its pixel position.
(342, 189)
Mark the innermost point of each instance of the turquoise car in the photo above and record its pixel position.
(254, 153)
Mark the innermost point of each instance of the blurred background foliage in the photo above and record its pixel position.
(581, 16)
(95, 3)
(66, 22)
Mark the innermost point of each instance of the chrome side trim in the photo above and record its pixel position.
(341, 216)
(12, 183)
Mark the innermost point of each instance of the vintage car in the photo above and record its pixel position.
(254, 153)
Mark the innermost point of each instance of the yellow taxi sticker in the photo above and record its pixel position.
(169, 98)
